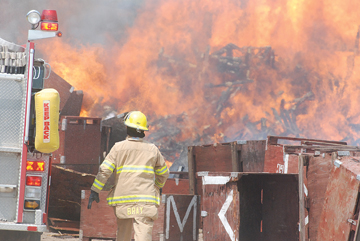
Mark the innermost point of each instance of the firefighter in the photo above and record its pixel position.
(141, 172)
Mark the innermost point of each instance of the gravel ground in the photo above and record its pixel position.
(63, 237)
(58, 237)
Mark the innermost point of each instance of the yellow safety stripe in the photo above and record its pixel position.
(135, 168)
(109, 165)
(161, 171)
(159, 184)
(133, 199)
(99, 185)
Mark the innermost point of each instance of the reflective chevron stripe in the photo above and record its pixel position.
(108, 165)
(161, 171)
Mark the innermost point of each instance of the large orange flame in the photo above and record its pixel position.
(164, 69)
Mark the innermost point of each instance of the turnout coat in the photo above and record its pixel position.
(140, 172)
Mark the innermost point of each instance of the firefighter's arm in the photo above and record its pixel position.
(107, 167)
(161, 171)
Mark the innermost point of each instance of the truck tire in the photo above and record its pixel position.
(6, 235)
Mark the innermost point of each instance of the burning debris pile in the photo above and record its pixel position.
(229, 73)
(230, 68)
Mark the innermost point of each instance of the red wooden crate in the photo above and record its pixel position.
(80, 143)
(65, 192)
(279, 160)
(100, 220)
(238, 156)
(176, 186)
(181, 215)
(319, 159)
(339, 217)
(250, 206)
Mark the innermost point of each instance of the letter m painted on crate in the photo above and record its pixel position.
(171, 203)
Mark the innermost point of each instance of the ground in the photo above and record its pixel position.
(62, 237)
(57, 237)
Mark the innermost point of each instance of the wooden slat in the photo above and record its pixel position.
(318, 174)
(191, 166)
(64, 228)
(293, 148)
(64, 223)
(301, 199)
(321, 143)
(273, 140)
(253, 156)
(234, 157)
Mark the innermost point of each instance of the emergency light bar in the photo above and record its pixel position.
(48, 22)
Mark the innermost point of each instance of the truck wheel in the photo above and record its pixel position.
(6, 235)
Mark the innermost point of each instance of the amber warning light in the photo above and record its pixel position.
(32, 204)
(38, 166)
(49, 26)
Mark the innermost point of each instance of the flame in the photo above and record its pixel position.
(166, 64)
(168, 164)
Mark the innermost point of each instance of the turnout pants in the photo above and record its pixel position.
(139, 216)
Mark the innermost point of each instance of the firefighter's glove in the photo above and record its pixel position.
(94, 196)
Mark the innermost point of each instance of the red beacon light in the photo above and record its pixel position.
(33, 181)
(49, 15)
(49, 20)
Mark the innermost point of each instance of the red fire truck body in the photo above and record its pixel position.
(24, 171)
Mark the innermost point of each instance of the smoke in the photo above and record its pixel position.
(81, 21)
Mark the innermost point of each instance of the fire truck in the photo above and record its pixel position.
(28, 133)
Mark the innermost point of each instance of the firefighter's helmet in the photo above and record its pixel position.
(137, 120)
